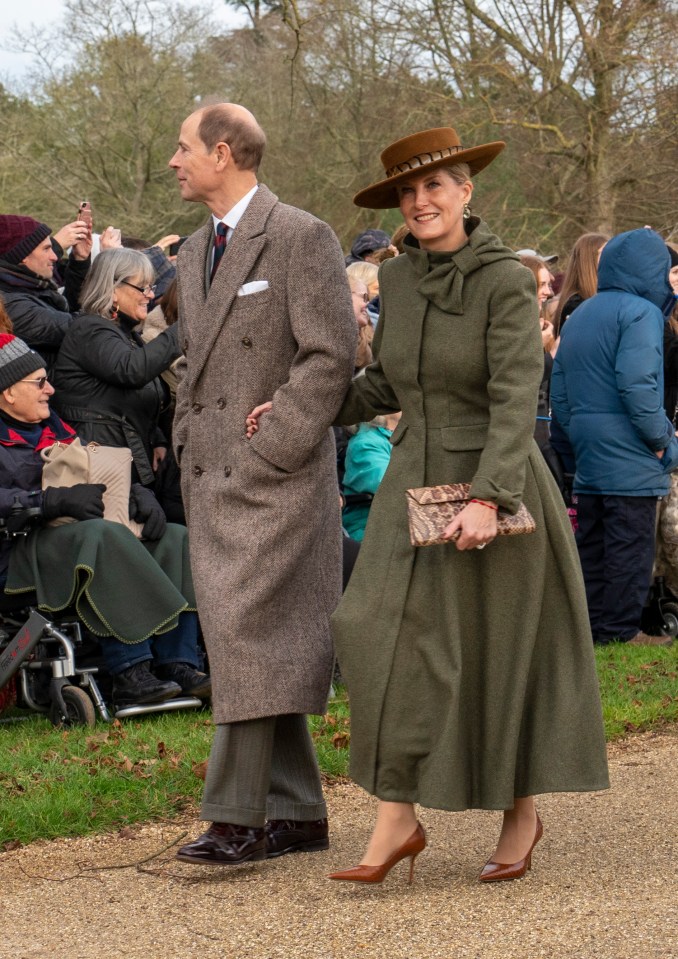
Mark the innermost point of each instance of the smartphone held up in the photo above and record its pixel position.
(85, 213)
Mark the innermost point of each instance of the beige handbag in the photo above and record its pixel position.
(431, 509)
(67, 464)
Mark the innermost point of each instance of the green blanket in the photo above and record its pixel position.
(118, 585)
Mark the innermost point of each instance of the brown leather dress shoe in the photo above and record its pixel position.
(287, 835)
(225, 844)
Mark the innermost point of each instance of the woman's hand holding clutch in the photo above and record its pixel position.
(474, 527)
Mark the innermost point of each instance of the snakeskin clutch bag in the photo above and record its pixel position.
(431, 509)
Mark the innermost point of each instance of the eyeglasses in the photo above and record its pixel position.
(40, 382)
(364, 297)
(146, 290)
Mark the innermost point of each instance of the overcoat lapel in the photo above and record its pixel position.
(193, 260)
(240, 256)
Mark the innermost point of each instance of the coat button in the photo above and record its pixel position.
(197, 408)
(221, 403)
(197, 471)
(246, 342)
(227, 470)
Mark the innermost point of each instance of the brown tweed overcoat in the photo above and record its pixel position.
(263, 515)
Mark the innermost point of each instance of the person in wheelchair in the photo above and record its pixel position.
(136, 596)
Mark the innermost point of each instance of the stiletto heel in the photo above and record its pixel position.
(412, 858)
(411, 847)
(499, 871)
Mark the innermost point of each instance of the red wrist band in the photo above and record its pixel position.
(483, 503)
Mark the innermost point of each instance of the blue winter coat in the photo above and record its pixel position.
(607, 385)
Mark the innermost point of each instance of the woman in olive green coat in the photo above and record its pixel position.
(469, 664)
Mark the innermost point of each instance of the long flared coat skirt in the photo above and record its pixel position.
(471, 673)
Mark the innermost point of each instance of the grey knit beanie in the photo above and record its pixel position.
(17, 360)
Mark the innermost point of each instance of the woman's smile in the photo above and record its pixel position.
(433, 207)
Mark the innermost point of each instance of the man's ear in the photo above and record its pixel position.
(7, 399)
(223, 152)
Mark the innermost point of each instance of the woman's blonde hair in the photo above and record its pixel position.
(460, 172)
(363, 353)
(367, 272)
(398, 237)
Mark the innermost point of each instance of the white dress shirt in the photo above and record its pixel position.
(234, 215)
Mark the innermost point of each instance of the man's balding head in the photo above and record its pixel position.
(232, 124)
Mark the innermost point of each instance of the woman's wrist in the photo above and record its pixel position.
(482, 502)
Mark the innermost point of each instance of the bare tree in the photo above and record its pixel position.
(574, 81)
(103, 123)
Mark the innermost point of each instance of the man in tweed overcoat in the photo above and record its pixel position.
(270, 319)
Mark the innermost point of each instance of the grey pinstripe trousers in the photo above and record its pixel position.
(263, 769)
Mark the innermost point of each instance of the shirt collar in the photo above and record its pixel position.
(236, 212)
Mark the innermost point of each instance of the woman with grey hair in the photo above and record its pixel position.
(107, 379)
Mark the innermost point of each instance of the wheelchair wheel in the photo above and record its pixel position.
(79, 709)
(669, 626)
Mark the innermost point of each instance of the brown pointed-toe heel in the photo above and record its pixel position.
(411, 847)
(500, 871)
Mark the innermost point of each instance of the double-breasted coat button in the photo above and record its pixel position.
(197, 471)
(227, 470)
(246, 342)
(221, 403)
(197, 408)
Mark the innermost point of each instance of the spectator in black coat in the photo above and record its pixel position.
(107, 379)
(40, 314)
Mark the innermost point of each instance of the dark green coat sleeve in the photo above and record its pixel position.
(516, 364)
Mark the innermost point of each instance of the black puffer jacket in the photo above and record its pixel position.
(41, 316)
(108, 385)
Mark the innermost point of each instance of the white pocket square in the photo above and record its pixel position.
(256, 286)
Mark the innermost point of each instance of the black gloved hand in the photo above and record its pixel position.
(82, 501)
(144, 507)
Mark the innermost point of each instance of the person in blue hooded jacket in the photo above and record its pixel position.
(607, 392)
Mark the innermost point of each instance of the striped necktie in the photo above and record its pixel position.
(219, 247)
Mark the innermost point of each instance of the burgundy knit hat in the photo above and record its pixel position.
(19, 236)
(17, 360)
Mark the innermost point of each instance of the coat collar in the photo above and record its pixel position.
(53, 430)
(242, 252)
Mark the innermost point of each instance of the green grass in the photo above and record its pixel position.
(69, 783)
(72, 782)
(638, 687)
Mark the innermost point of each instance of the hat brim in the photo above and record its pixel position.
(384, 194)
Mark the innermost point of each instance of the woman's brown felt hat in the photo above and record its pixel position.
(419, 153)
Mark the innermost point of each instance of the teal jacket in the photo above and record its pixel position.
(367, 455)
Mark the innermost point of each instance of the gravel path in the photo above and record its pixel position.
(603, 885)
